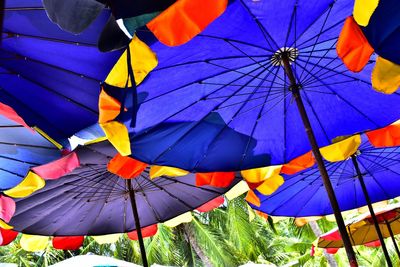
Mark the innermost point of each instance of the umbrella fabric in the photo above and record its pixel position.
(50, 77)
(221, 102)
(303, 193)
(20, 149)
(92, 200)
(362, 229)
(373, 27)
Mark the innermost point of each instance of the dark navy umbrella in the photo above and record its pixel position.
(264, 70)
(93, 201)
(20, 150)
(51, 77)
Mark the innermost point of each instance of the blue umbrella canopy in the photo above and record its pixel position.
(303, 193)
(222, 102)
(20, 150)
(50, 77)
(90, 200)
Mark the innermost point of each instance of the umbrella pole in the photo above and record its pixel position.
(371, 210)
(137, 222)
(392, 237)
(2, 6)
(294, 87)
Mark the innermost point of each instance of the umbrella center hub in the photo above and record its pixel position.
(290, 52)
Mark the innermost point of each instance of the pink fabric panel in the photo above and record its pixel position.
(58, 168)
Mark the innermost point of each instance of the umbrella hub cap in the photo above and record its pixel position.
(291, 52)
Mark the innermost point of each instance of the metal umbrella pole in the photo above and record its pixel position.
(294, 87)
(371, 210)
(137, 222)
(392, 237)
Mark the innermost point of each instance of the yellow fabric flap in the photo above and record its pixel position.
(341, 150)
(270, 185)
(183, 218)
(51, 140)
(118, 136)
(375, 206)
(107, 239)
(363, 10)
(34, 243)
(237, 190)
(31, 183)
(261, 174)
(5, 225)
(386, 76)
(157, 171)
(143, 60)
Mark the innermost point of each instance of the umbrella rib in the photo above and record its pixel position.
(205, 78)
(105, 201)
(384, 160)
(172, 195)
(316, 115)
(223, 128)
(255, 124)
(376, 181)
(321, 42)
(23, 8)
(311, 24)
(257, 62)
(251, 100)
(191, 185)
(314, 172)
(17, 55)
(312, 86)
(317, 38)
(18, 35)
(325, 65)
(262, 28)
(54, 127)
(70, 100)
(236, 41)
(21, 161)
(104, 173)
(314, 80)
(11, 172)
(339, 23)
(12, 126)
(333, 166)
(335, 71)
(27, 145)
(203, 61)
(236, 71)
(148, 203)
(344, 100)
(213, 83)
(382, 166)
(292, 17)
(277, 103)
(179, 111)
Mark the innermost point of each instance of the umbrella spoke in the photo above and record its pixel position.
(317, 38)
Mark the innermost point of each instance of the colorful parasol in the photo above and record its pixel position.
(225, 100)
(50, 77)
(374, 27)
(21, 149)
(361, 230)
(363, 169)
(95, 191)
